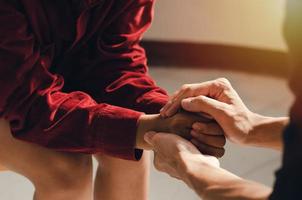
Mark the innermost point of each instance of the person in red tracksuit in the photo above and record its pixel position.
(73, 79)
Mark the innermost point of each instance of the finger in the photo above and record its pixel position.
(187, 90)
(172, 98)
(208, 150)
(186, 134)
(160, 140)
(191, 118)
(204, 104)
(212, 88)
(208, 128)
(212, 161)
(205, 115)
(158, 161)
(164, 109)
(176, 102)
(215, 141)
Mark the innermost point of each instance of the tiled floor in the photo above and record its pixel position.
(262, 94)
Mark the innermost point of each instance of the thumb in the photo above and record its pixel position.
(149, 136)
(205, 105)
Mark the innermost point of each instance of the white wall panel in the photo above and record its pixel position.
(256, 23)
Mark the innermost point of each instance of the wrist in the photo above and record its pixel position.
(203, 177)
(145, 124)
(193, 170)
(266, 131)
(253, 134)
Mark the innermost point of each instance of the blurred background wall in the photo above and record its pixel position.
(241, 35)
(252, 23)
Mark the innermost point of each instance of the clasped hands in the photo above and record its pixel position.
(202, 131)
(218, 113)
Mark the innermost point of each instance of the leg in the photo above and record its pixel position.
(55, 175)
(120, 179)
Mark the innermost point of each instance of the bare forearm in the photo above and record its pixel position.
(267, 132)
(212, 183)
(237, 190)
(146, 123)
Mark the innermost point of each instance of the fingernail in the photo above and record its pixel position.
(149, 136)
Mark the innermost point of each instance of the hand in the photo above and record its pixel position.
(181, 125)
(173, 154)
(180, 159)
(218, 99)
(211, 143)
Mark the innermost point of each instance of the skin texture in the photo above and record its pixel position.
(55, 175)
(62, 176)
(74, 180)
(111, 176)
(218, 100)
(182, 160)
(181, 124)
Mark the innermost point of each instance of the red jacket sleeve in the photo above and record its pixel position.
(123, 61)
(32, 101)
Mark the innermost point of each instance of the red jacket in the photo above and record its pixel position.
(73, 76)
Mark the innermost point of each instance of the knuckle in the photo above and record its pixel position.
(175, 123)
(224, 81)
(206, 128)
(222, 84)
(186, 88)
(223, 109)
(65, 173)
(197, 100)
(214, 129)
(211, 128)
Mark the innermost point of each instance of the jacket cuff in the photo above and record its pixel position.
(117, 129)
